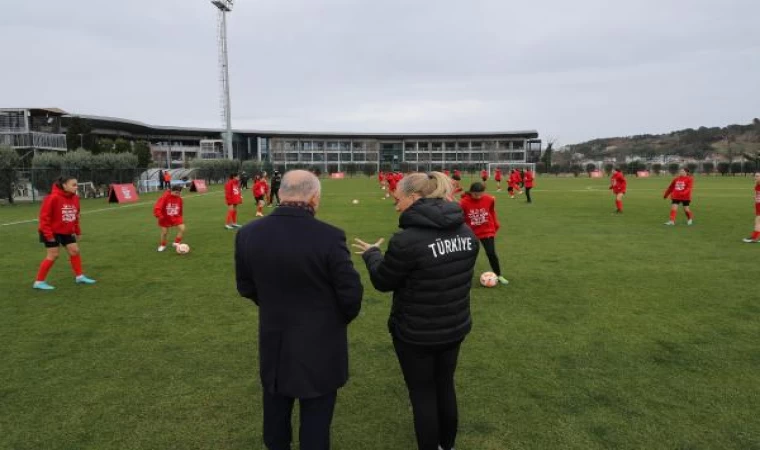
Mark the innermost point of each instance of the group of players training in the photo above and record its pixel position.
(60, 211)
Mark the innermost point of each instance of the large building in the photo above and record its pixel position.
(45, 129)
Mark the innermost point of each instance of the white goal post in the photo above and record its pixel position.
(507, 167)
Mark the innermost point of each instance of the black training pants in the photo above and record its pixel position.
(489, 245)
(275, 194)
(527, 194)
(316, 417)
(429, 376)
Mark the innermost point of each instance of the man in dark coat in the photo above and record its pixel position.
(298, 270)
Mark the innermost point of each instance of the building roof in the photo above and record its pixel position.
(135, 126)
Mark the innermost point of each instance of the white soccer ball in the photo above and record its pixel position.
(183, 249)
(355, 201)
(488, 279)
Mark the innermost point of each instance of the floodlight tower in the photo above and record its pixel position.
(224, 7)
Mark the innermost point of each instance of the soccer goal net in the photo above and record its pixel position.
(508, 167)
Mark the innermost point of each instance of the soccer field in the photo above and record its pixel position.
(614, 332)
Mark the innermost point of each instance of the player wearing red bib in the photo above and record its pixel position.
(480, 215)
(381, 179)
(168, 210)
(59, 226)
(680, 193)
(497, 178)
(755, 238)
(484, 175)
(457, 173)
(391, 179)
(618, 184)
(260, 188)
(234, 197)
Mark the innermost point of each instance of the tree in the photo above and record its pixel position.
(121, 145)
(673, 168)
(590, 167)
(104, 146)
(9, 161)
(692, 167)
(723, 168)
(546, 158)
(608, 168)
(657, 168)
(79, 134)
(142, 151)
(708, 168)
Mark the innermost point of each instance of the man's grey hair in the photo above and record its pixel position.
(299, 185)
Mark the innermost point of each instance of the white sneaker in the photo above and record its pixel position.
(161, 248)
(229, 227)
(690, 222)
(750, 241)
(259, 215)
(174, 244)
(669, 223)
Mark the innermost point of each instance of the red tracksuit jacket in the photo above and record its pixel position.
(529, 179)
(168, 210)
(618, 183)
(260, 188)
(497, 175)
(480, 215)
(680, 188)
(59, 214)
(232, 194)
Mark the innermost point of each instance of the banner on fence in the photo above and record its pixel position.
(198, 186)
(596, 174)
(642, 173)
(122, 193)
(338, 175)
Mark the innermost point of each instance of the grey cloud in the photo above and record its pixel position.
(573, 70)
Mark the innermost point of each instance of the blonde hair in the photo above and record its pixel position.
(426, 185)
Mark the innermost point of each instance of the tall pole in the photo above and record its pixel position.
(226, 82)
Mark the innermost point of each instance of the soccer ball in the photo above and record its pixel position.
(488, 279)
(355, 201)
(183, 248)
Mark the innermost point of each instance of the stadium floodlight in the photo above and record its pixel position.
(224, 7)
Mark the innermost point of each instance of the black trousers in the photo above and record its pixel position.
(429, 376)
(527, 194)
(316, 417)
(489, 245)
(275, 194)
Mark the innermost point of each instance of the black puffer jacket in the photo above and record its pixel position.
(428, 266)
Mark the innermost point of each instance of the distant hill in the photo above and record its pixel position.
(714, 143)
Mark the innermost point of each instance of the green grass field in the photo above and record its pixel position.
(615, 331)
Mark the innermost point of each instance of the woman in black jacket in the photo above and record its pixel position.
(429, 267)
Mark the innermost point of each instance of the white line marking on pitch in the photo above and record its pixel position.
(117, 208)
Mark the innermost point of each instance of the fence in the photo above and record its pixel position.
(31, 185)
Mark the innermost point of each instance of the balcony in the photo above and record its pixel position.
(34, 141)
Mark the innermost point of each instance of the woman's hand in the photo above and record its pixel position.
(363, 246)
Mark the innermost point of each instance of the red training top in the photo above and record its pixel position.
(680, 188)
(232, 194)
(59, 214)
(480, 215)
(260, 188)
(168, 210)
(497, 175)
(757, 199)
(484, 174)
(457, 173)
(529, 179)
(618, 183)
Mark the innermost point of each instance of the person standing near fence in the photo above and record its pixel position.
(161, 179)
(59, 226)
(233, 196)
(167, 180)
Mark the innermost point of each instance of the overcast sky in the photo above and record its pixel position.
(573, 70)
